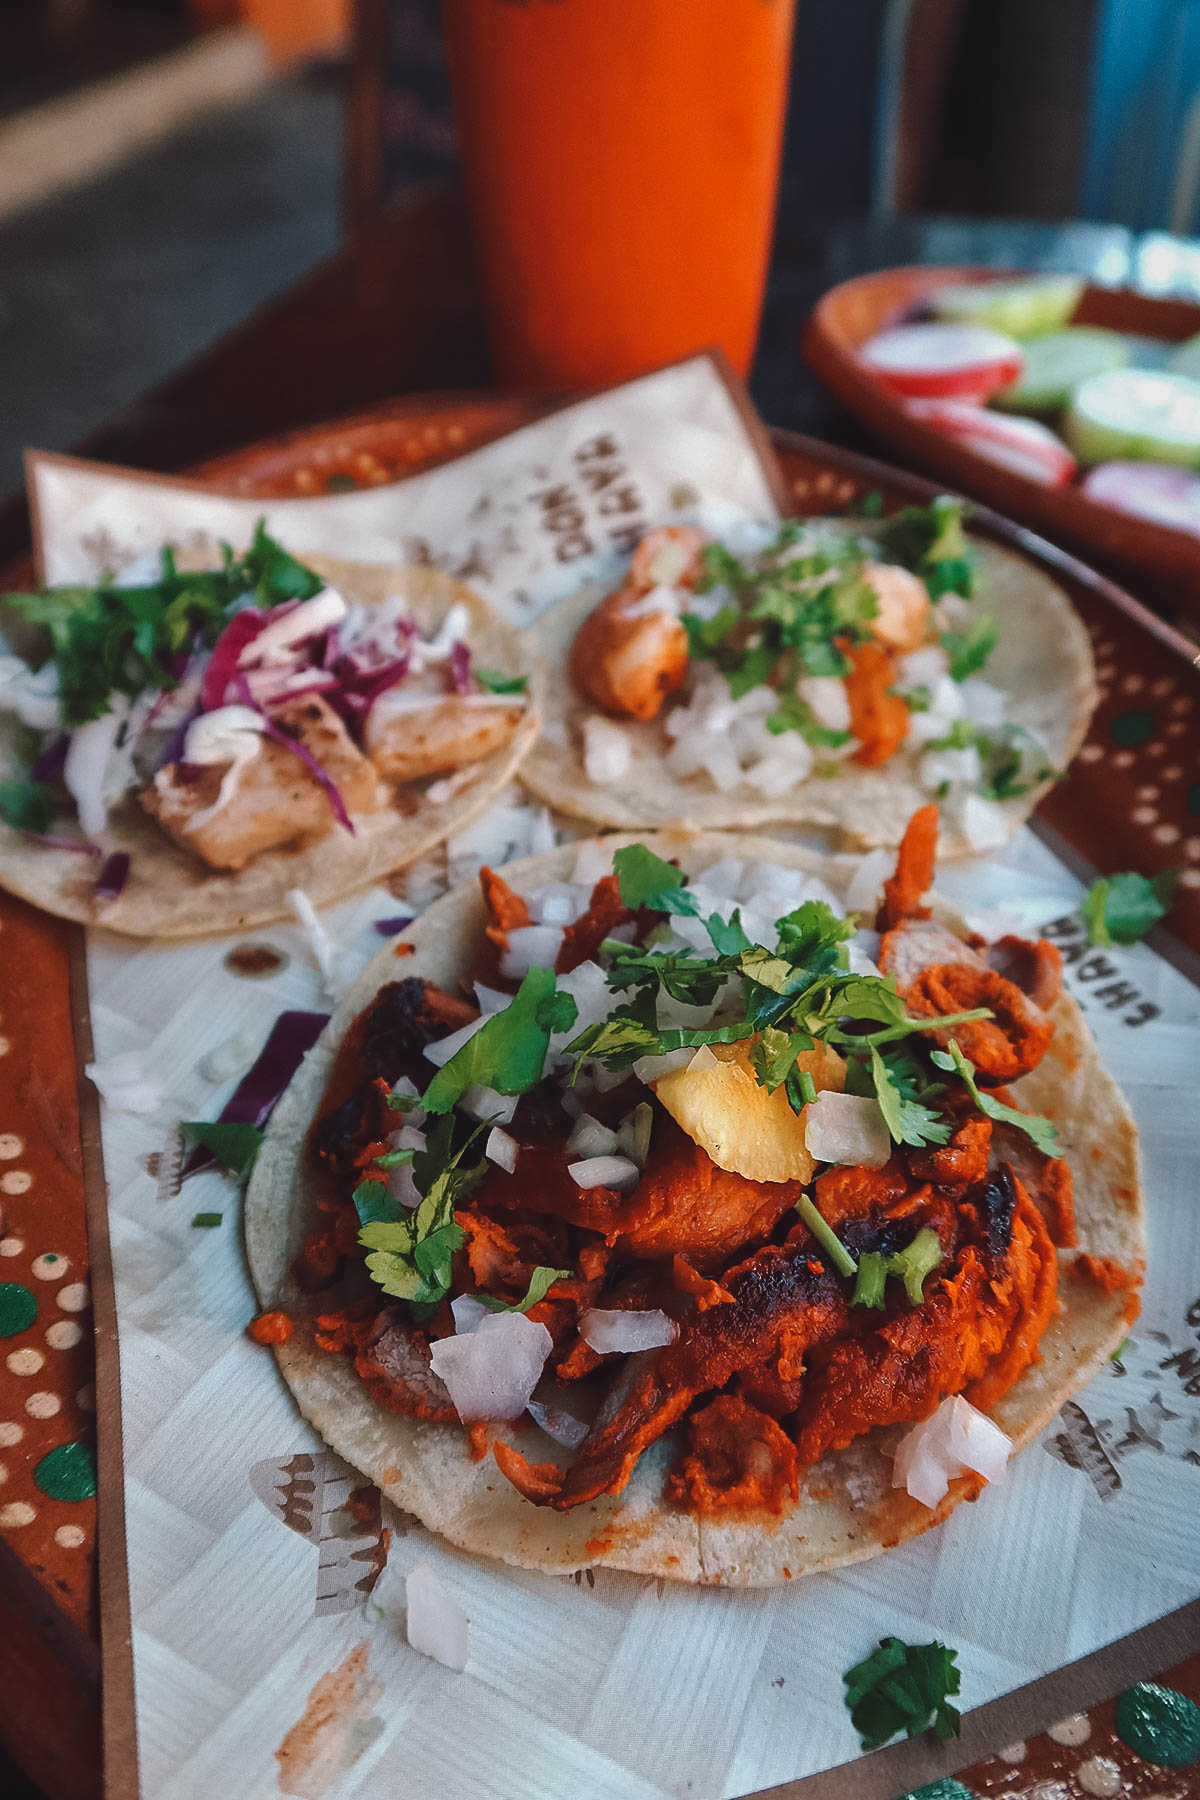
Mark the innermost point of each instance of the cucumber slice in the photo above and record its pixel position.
(1135, 415)
(1185, 359)
(1057, 362)
(1023, 308)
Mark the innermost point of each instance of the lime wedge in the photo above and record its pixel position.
(1135, 414)
(1023, 308)
(1057, 362)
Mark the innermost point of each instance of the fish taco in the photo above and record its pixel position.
(179, 755)
(834, 673)
(696, 1205)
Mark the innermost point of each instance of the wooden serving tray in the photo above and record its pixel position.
(1161, 564)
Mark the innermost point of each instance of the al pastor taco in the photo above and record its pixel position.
(838, 674)
(176, 757)
(691, 1205)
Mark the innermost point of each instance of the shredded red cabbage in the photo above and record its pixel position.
(271, 730)
(173, 748)
(49, 840)
(390, 927)
(49, 765)
(113, 876)
(460, 667)
(254, 1099)
(222, 668)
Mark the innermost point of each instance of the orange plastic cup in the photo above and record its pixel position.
(621, 161)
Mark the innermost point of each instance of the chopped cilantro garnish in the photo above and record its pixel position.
(207, 1220)
(931, 542)
(826, 1236)
(540, 1282)
(233, 1145)
(1043, 1134)
(645, 880)
(110, 640)
(392, 1159)
(374, 1204)
(411, 1252)
(901, 1095)
(1012, 763)
(969, 650)
(794, 714)
(903, 1687)
(1120, 909)
(495, 681)
(26, 805)
(912, 1265)
(508, 1052)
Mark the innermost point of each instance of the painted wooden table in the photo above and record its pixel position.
(395, 313)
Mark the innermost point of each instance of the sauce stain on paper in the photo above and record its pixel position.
(336, 1726)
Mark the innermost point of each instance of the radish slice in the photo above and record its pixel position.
(968, 362)
(1022, 446)
(1148, 491)
(1138, 414)
(956, 1439)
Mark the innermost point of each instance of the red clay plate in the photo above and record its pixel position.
(1162, 563)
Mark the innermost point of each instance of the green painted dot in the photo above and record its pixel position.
(18, 1308)
(1193, 801)
(68, 1473)
(1133, 727)
(1160, 1725)
(944, 1788)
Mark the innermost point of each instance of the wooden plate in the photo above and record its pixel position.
(1162, 563)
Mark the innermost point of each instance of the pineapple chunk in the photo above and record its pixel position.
(725, 1110)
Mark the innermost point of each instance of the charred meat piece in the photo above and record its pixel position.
(277, 802)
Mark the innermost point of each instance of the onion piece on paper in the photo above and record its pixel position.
(957, 1438)
(434, 1623)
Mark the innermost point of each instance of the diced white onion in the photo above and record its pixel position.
(558, 1424)
(485, 1103)
(92, 766)
(984, 823)
(603, 1171)
(469, 1311)
(530, 947)
(677, 1015)
(442, 1049)
(956, 1439)
(847, 1128)
(651, 1068)
(401, 1185)
(864, 891)
(621, 1333)
(633, 1139)
(32, 694)
(501, 1149)
(593, 860)
(722, 878)
(231, 1058)
(435, 1624)
(560, 903)
(589, 1138)
(412, 1115)
(319, 940)
(542, 835)
(125, 1083)
(827, 700)
(987, 706)
(922, 668)
(607, 751)
(955, 767)
(703, 1058)
(492, 1370)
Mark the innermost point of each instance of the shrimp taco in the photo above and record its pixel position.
(835, 673)
(179, 756)
(663, 1214)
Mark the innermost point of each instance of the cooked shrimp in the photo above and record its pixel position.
(277, 799)
(628, 657)
(406, 742)
(902, 622)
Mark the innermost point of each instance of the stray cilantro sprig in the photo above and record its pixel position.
(411, 1252)
(930, 541)
(235, 1146)
(25, 804)
(826, 1236)
(646, 881)
(109, 640)
(1011, 763)
(1120, 909)
(969, 650)
(540, 1283)
(901, 1094)
(912, 1265)
(495, 681)
(903, 1687)
(1042, 1133)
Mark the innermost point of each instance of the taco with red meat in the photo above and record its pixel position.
(700, 1206)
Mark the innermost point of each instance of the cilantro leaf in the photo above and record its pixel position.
(495, 681)
(234, 1146)
(411, 1252)
(969, 650)
(903, 1687)
(645, 880)
(374, 1204)
(931, 542)
(25, 804)
(728, 938)
(912, 1265)
(508, 1052)
(1120, 909)
(905, 1117)
(207, 1220)
(1043, 1134)
(540, 1282)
